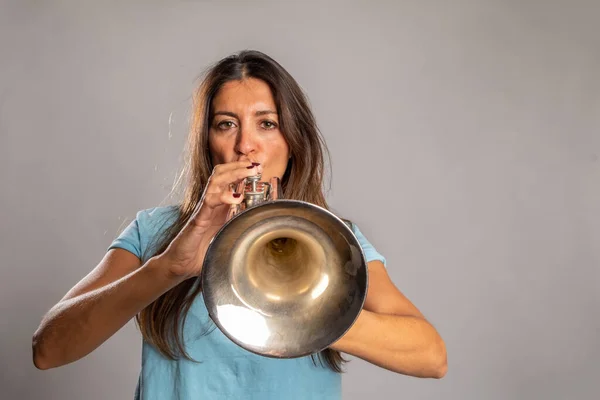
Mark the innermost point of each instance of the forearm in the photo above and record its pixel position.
(75, 327)
(404, 344)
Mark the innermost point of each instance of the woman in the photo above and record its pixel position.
(250, 116)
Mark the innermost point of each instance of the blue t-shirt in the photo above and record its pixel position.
(221, 369)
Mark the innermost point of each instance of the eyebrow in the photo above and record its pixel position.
(257, 114)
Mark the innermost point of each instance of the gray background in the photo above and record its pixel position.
(465, 142)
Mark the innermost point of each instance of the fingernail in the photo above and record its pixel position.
(237, 195)
(256, 164)
(250, 167)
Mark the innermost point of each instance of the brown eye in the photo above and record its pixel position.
(225, 125)
(269, 124)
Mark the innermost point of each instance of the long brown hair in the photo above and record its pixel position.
(160, 322)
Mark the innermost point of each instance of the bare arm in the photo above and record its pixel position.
(119, 287)
(392, 333)
(98, 306)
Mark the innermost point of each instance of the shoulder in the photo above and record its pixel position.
(154, 217)
(149, 217)
(153, 221)
(371, 253)
(157, 215)
(146, 229)
(153, 224)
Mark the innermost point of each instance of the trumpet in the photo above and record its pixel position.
(283, 278)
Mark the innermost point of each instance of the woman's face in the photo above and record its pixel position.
(245, 126)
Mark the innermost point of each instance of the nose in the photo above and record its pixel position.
(246, 140)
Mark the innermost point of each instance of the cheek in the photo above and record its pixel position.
(280, 152)
(285, 149)
(220, 148)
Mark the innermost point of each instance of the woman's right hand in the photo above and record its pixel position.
(185, 254)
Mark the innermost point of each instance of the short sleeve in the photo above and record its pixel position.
(371, 253)
(129, 239)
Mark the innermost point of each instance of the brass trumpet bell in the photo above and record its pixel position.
(283, 278)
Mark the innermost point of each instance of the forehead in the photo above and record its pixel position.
(248, 93)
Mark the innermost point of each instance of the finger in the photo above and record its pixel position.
(215, 185)
(214, 200)
(213, 204)
(225, 167)
(241, 187)
(224, 179)
(221, 170)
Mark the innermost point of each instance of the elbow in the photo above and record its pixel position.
(440, 371)
(439, 360)
(40, 363)
(40, 359)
